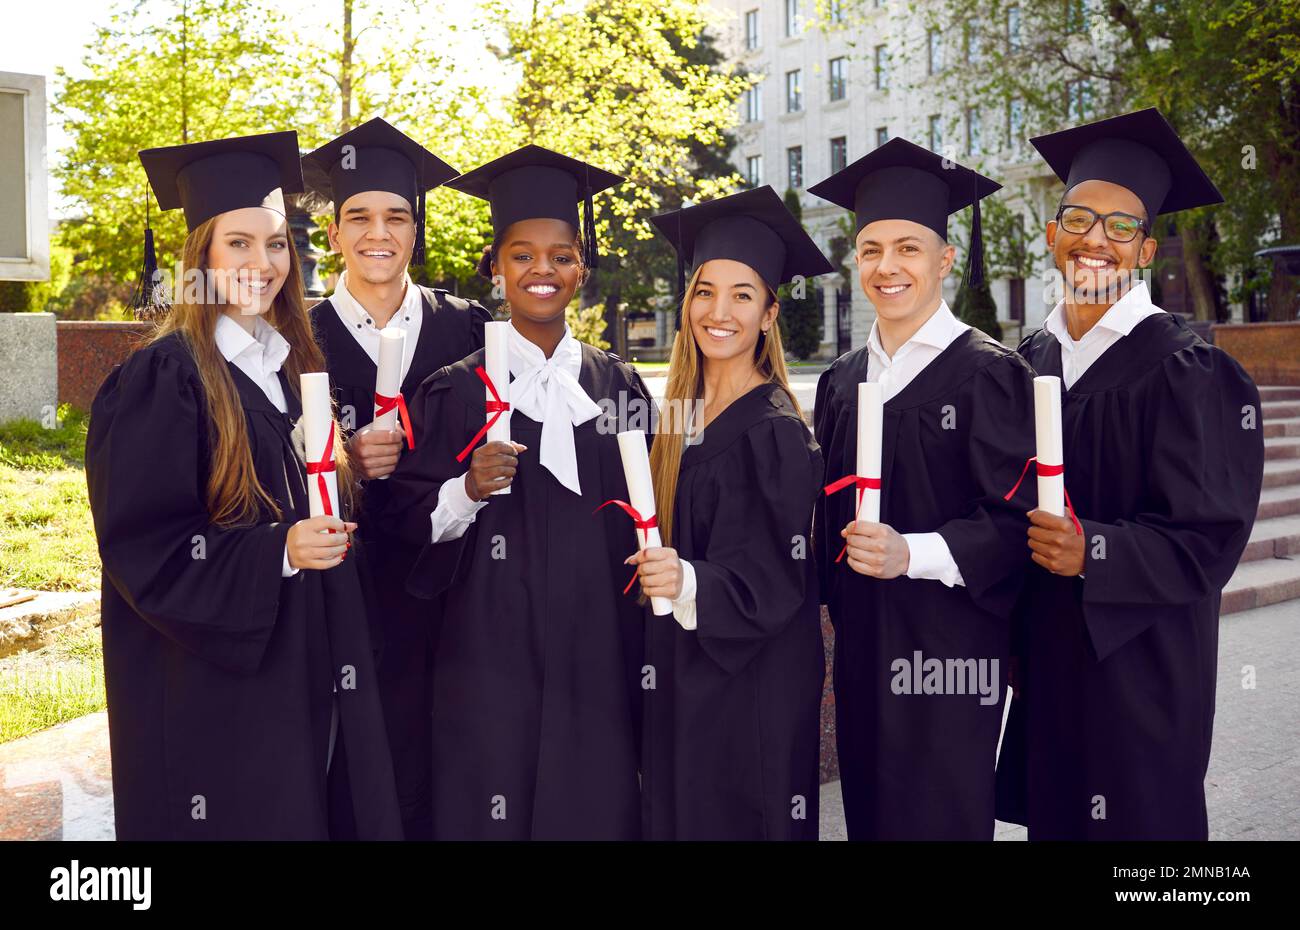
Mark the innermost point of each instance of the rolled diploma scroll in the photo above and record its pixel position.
(1050, 448)
(388, 376)
(317, 415)
(496, 362)
(641, 495)
(871, 417)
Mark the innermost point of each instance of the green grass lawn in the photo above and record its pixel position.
(60, 682)
(47, 540)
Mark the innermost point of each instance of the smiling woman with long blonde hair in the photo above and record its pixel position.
(238, 661)
(731, 729)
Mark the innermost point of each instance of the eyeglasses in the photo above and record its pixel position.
(1119, 227)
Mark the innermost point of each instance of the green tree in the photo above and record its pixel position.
(800, 318)
(164, 72)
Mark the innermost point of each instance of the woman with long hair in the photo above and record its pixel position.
(731, 728)
(238, 663)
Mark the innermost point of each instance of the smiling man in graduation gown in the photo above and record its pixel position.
(921, 601)
(376, 178)
(1163, 464)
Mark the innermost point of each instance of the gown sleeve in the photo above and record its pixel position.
(1204, 464)
(823, 423)
(752, 575)
(213, 590)
(420, 473)
(988, 541)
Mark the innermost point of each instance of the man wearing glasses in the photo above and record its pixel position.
(1110, 735)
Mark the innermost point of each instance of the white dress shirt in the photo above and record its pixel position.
(361, 324)
(258, 355)
(929, 555)
(1077, 356)
(545, 390)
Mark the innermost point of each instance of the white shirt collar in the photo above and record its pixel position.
(1124, 314)
(939, 331)
(264, 345)
(351, 310)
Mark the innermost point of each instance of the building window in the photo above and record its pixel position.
(934, 51)
(936, 134)
(1078, 100)
(1015, 123)
(793, 18)
(754, 170)
(882, 135)
(973, 42)
(973, 131)
(836, 11)
(793, 91)
(838, 84)
(751, 30)
(1013, 28)
(882, 67)
(839, 154)
(794, 167)
(752, 102)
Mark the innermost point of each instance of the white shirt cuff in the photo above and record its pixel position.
(287, 571)
(931, 558)
(684, 603)
(455, 511)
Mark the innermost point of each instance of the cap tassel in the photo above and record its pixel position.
(148, 300)
(975, 254)
(591, 255)
(417, 253)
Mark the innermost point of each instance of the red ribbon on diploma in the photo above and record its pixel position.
(326, 464)
(861, 484)
(1046, 471)
(644, 525)
(385, 404)
(496, 407)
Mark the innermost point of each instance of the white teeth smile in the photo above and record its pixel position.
(1088, 262)
(378, 253)
(719, 333)
(542, 290)
(892, 288)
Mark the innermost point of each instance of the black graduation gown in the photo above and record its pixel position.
(536, 681)
(1118, 707)
(733, 723)
(921, 766)
(450, 329)
(220, 673)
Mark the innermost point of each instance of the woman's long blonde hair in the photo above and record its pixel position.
(234, 495)
(686, 386)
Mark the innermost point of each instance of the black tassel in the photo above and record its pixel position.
(417, 253)
(975, 254)
(591, 255)
(149, 298)
(681, 274)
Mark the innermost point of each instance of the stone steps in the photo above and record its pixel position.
(1261, 582)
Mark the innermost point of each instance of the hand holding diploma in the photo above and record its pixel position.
(492, 468)
(376, 448)
(319, 542)
(876, 550)
(641, 493)
(660, 571)
(1055, 540)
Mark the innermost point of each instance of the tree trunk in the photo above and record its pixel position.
(1196, 270)
(345, 69)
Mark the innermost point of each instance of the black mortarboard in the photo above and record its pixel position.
(903, 181)
(210, 178)
(1139, 151)
(381, 158)
(532, 183)
(753, 227)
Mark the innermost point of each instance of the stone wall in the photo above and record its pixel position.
(28, 366)
(87, 353)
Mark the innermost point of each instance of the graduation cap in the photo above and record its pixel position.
(753, 227)
(1139, 151)
(536, 183)
(903, 181)
(377, 157)
(207, 179)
